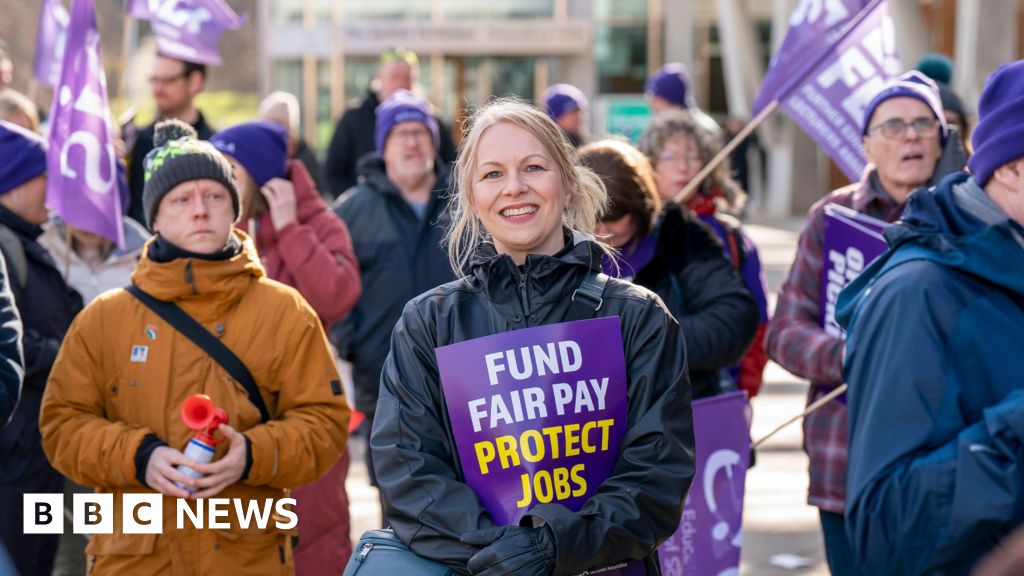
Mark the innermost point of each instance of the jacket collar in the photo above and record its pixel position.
(19, 225)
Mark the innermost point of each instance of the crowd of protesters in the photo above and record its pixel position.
(407, 240)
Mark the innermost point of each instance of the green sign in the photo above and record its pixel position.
(627, 116)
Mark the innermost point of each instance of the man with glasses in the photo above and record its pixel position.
(396, 216)
(174, 85)
(933, 361)
(904, 134)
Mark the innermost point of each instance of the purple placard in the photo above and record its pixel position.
(829, 101)
(710, 534)
(81, 165)
(50, 40)
(852, 241)
(538, 415)
(187, 29)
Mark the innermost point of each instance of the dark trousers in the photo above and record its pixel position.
(32, 554)
(837, 548)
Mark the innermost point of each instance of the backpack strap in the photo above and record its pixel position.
(201, 337)
(588, 298)
(14, 254)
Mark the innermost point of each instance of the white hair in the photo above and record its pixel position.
(290, 104)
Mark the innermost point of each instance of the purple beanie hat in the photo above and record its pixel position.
(912, 84)
(261, 147)
(998, 138)
(22, 156)
(671, 82)
(403, 106)
(561, 99)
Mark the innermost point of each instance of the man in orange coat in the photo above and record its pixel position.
(110, 413)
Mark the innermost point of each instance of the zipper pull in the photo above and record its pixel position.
(364, 551)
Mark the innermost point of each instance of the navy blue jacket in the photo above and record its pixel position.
(12, 361)
(47, 307)
(400, 256)
(933, 360)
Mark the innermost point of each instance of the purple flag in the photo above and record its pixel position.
(814, 27)
(187, 29)
(852, 241)
(710, 534)
(538, 415)
(81, 166)
(50, 40)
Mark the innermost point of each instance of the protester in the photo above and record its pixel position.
(904, 135)
(566, 105)
(174, 85)
(936, 404)
(396, 216)
(519, 271)
(282, 108)
(303, 244)
(354, 136)
(16, 108)
(677, 258)
(12, 359)
(110, 419)
(46, 306)
(678, 148)
(669, 88)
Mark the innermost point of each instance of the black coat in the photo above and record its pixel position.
(354, 138)
(12, 360)
(705, 293)
(47, 306)
(637, 507)
(400, 256)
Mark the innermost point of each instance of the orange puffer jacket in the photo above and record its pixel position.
(100, 404)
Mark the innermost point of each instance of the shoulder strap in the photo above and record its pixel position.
(14, 254)
(588, 298)
(194, 331)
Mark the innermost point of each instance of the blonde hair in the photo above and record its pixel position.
(586, 195)
(14, 104)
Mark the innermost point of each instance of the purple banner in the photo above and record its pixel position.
(710, 534)
(81, 165)
(852, 241)
(187, 29)
(814, 26)
(50, 40)
(538, 415)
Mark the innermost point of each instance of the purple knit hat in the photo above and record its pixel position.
(561, 99)
(261, 147)
(998, 139)
(671, 82)
(403, 106)
(22, 156)
(912, 84)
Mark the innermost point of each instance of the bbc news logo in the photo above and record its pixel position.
(144, 513)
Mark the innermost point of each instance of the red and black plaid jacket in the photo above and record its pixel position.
(799, 344)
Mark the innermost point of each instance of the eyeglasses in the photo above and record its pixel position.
(896, 128)
(418, 135)
(673, 158)
(165, 80)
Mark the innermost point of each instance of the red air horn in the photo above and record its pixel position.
(199, 413)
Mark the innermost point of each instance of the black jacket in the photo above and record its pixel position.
(136, 172)
(703, 291)
(400, 256)
(47, 306)
(353, 139)
(637, 507)
(12, 360)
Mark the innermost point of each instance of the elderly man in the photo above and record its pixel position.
(936, 329)
(566, 105)
(904, 134)
(282, 108)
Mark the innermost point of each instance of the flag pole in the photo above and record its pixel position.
(817, 404)
(683, 196)
(67, 251)
(126, 43)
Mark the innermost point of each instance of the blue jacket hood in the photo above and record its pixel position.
(934, 227)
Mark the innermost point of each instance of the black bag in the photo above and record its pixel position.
(381, 553)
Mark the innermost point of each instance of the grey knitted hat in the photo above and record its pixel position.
(179, 156)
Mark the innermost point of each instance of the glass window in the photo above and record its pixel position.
(388, 9)
(497, 9)
(621, 56)
(513, 77)
(283, 11)
(621, 10)
(359, 73)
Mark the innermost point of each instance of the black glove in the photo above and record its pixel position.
(512, 550)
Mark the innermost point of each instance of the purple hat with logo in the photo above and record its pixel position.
(912, 84)
(261, 147)
(671, 82)
(22, 156)
(561, 99)
(403, 106)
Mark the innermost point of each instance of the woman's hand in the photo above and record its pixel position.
(280, 195)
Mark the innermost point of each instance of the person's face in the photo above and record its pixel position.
(392, 77)
(517, 192)
(677, 163)
(409, 152)
(6, 72)
(28, 200)
(173, 91)
(571, 122)
(659, 104)
(907, 160)
(619, 232)
(247, 188)
(197, 216)
(1010, 196)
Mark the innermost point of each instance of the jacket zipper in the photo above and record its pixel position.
(524, 298)
(188, 277)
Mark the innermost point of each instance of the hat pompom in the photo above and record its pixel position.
(169, 130)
